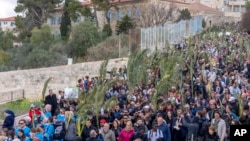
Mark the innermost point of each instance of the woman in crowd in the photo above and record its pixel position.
(116, 128)
(22, 136)
(8, 120)
(211, 135)
(126, 133)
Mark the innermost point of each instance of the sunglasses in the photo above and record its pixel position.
(21, 123)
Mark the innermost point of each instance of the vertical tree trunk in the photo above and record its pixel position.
(97, 24)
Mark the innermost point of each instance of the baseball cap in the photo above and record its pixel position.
(102, 121)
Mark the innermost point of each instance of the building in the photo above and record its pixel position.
(7, 23)
(230, 8)
(235, 8)
(54, 20)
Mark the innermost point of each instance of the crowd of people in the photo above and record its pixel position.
(215, 97)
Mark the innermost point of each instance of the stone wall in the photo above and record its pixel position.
(32, 81)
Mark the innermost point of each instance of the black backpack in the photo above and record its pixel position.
(60, 130)
(204, 128)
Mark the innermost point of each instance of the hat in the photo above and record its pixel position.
(10, 112)
(146, 107)
(102, 121)
(32, 105)
(231, 99)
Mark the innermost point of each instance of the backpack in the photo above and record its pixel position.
(204, 128)
(60, 130)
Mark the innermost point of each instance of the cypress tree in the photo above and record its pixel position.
(66, 22)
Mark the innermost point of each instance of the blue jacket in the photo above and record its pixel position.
(49, 131)
(39, 136)
(47, 114)
(166, 131)
(61, 117)
(26, 131)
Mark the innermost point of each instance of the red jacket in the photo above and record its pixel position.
(126, 135)
(37, 113)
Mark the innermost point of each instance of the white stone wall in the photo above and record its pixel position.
(32, 80)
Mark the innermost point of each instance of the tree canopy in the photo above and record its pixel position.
(185, 14)
(6, 40)
(84, 35)
(35, 14)
(42, 35)
(124, 25)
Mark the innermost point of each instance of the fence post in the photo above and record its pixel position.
(11, 99)
(23, 94)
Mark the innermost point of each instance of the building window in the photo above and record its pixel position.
(109, 15)
(118, 15)
(52, 21)
(137, 13)
(59, 20)
(128, 12)
(4, 22)
(12, 24)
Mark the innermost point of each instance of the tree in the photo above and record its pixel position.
(84, 35)
(185, 14)
(124, 25)
(36, 13)
(6, 40)
(107, 31)
(157, 14)
(66, 22)
(203, 23)
(245, 21)
(247, 5)
(42, 35)
(4, 58)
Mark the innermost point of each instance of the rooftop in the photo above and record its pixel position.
(8, 19)
(200, 7)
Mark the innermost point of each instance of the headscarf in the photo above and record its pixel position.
(11, 113)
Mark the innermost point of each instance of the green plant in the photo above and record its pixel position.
(45, 87)
(203, 23)
(106, 31)
(96, 95)
(185, 14)
(124, 25)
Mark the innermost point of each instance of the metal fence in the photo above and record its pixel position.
(11, 95)
(158, 36)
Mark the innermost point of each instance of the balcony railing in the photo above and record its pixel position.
(235, 2)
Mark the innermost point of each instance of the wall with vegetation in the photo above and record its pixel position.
(32, 81)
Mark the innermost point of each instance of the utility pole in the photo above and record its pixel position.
(129, 38)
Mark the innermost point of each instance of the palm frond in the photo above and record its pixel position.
(45, 87)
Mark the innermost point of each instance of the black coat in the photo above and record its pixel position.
(9, 122)
(213, 137)
(52, 100)
(86, 132)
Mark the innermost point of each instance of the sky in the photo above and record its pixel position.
(7, 8)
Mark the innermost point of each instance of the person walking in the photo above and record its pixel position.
(52, 100)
